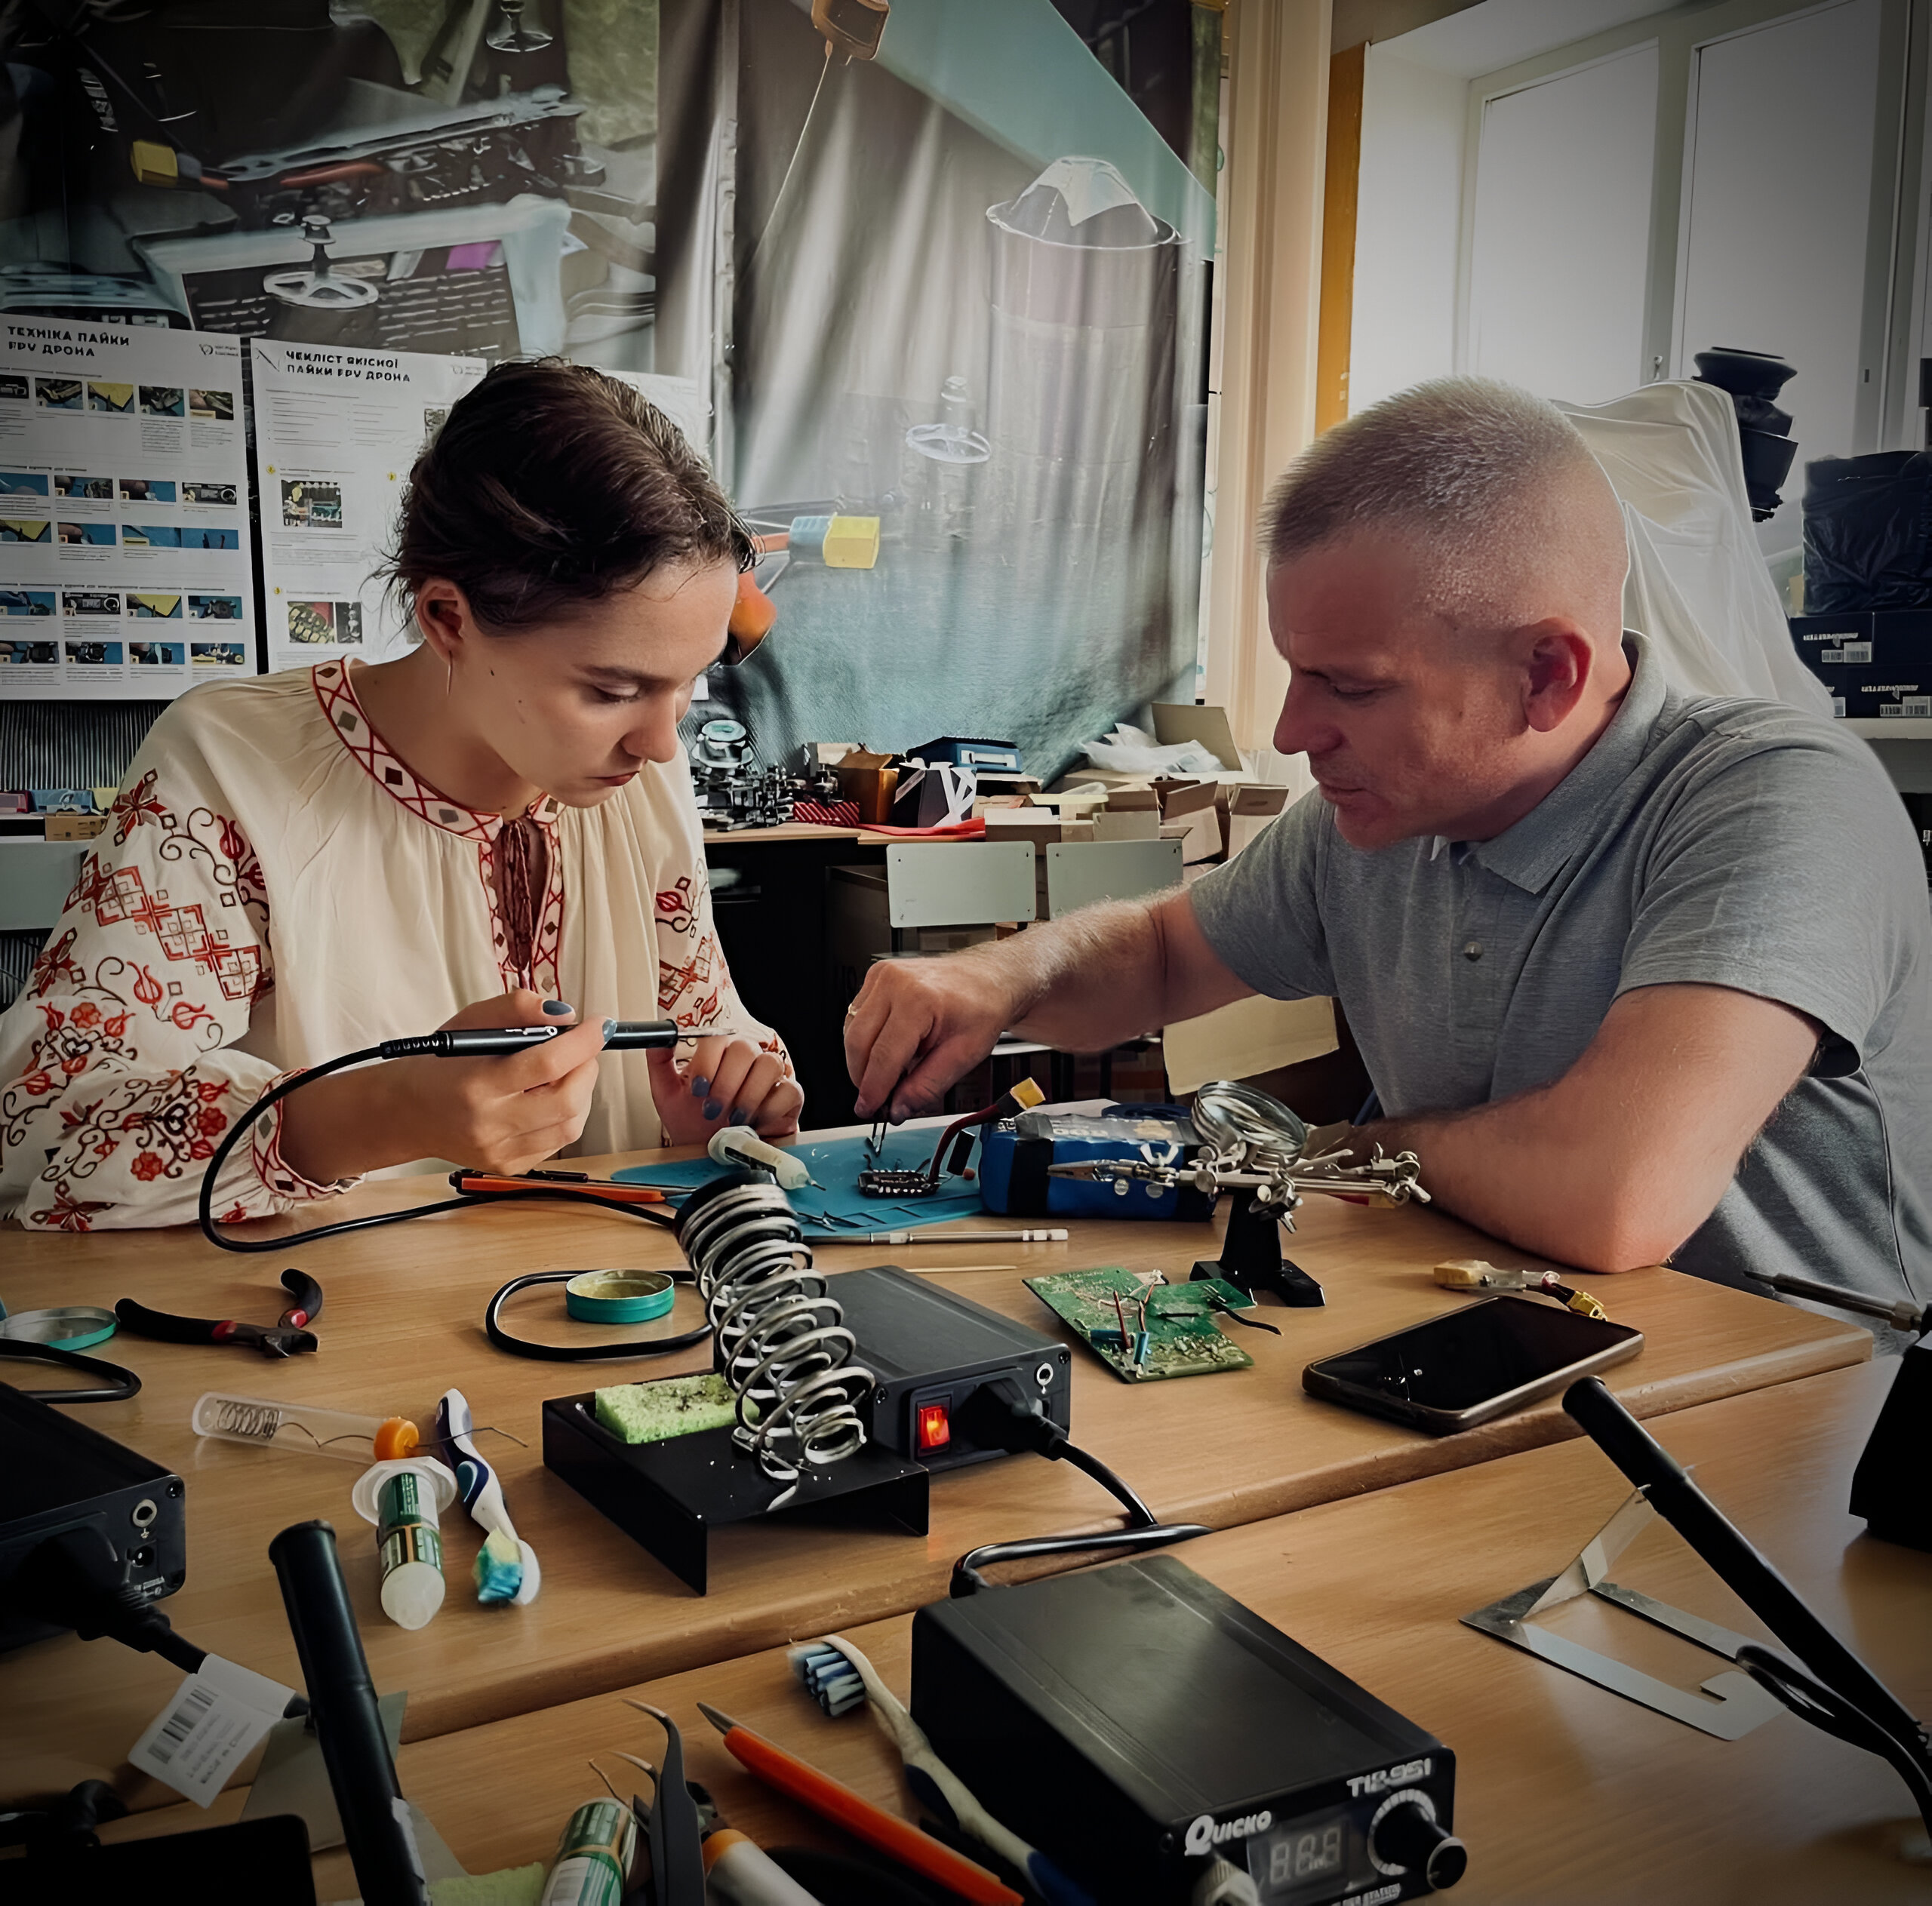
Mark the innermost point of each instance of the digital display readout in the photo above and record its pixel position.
(1301, 1858)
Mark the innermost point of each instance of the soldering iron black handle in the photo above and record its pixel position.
(625, 1034)
(1730, 1556)
(488, 1041)
(374, 1821)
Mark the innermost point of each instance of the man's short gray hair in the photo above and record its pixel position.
(1455, 465)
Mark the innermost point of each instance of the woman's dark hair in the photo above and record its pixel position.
(550, 486)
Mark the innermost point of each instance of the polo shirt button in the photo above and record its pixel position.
(1472, 950)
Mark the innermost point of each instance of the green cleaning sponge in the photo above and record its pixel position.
(673, 1405)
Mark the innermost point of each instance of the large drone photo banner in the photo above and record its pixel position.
(928, 279)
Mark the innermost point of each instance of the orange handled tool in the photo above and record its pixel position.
(832, 1800)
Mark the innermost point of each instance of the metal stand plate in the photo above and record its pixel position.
(1737, 1703)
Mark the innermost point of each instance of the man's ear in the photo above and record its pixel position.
(1557, 658)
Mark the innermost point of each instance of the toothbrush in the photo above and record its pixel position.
(839, 1678)
(505, 1568)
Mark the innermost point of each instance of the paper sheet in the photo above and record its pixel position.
(336, 433)
(125, 543)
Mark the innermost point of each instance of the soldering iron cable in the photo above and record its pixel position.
(450, 1043)
(1001, 1417)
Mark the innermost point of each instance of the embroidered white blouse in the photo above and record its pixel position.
(275, 888)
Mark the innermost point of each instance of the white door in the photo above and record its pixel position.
(1777, 199)
(1561, 247)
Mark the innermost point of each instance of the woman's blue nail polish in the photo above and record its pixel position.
(610, 1027)
(699, 1088)
(741, 1115)
(558, 1010)
(712, 1108)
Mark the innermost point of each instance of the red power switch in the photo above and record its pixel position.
(935, 1425)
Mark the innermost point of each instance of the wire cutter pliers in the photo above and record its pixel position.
(282, 1339)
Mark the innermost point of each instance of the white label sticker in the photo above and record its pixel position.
(217, 1717)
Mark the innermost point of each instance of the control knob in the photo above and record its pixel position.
(1406, 1836)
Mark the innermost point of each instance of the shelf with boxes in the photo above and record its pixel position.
(1875, 664)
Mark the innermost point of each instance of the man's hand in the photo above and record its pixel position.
(724, 1081)
(1082, 984)
(499, 1114)
(1615, 1164)
(917, 1026)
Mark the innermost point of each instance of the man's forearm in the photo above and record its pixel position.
(1084, 983)
(1615, 1164)
(1535, 1171)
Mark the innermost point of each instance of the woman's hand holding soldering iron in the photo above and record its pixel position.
(500, 1114)
(719, 1081)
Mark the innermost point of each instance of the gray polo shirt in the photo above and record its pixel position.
(1728, 842)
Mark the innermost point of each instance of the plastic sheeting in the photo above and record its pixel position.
(1697, 585)
(1868, 533)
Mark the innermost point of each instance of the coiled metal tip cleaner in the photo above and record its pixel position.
(783, 1347)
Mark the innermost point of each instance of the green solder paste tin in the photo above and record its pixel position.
(593, 1857)
(409, 1546)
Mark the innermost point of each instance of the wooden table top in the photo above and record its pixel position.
(402, 1322)
(1563, 1792)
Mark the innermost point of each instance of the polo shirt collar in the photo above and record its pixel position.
(1530, 854)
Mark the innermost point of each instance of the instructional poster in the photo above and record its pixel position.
(335, 433)
(124, 560)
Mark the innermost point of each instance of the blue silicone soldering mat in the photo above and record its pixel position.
(836, 1164)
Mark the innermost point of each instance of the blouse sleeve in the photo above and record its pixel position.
(120, 1058)
(694, 984)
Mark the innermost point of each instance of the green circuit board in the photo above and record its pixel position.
(1170, 1329)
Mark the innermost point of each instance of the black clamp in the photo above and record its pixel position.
(1251, 1258)
(284, 1338)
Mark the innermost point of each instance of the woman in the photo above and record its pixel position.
(496, 829)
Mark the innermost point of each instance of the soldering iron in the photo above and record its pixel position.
(450, 1042)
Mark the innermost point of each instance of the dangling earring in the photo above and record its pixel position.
(449, 675)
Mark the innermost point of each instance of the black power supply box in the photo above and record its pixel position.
(126, 1513)
(927, 1351)
(1134, 1723)
(930, 1351)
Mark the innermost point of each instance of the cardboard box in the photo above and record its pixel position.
(1137, 824)
(76, 827)
(1175, 722)
(1241, 1042)
(1251, 806)
(1194, 807)
(869, 779)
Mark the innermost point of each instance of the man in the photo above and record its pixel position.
(1639, 977)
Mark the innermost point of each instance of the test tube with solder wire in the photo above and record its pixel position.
(307, 1427)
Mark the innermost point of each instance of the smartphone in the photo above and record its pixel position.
(1492, 1356)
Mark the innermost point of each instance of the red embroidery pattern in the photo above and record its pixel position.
(336, 696)
(55, 967)
(679, 904)
(77, 1034)
(674, 981)
(136, 807)
(119, 897)
(543, 974)
(702, 1012)
(172, 1123)
(344, 714)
